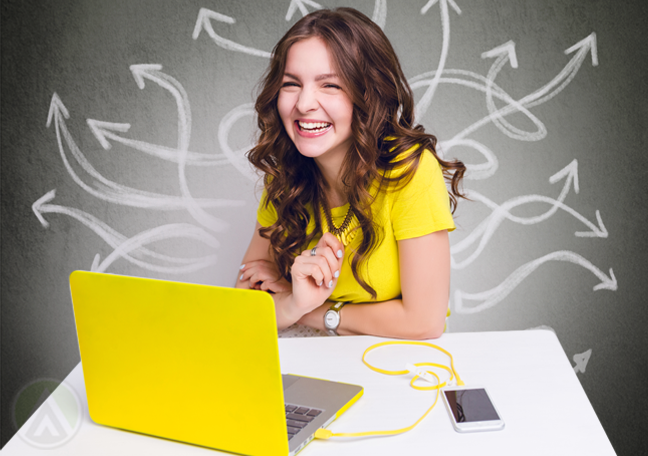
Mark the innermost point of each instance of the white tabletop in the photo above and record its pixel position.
(527, 374)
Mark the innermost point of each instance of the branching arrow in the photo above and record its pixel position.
(474, 81)
(205, 16)
(170, 231)
(154, 73)
(107, 189)
(301, 4)
(425, 101)
(113, 238)
(490, 298)
(506, 53)
(485, 230)
(104, 131)
(549, 90)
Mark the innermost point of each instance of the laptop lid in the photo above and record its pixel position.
(193, 363)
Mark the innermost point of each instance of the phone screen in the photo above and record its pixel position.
(470, 405)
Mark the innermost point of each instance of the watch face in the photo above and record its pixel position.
(331, 319)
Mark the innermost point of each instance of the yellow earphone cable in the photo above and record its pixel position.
(325, 433)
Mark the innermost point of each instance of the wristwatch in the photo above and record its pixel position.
(332, 318)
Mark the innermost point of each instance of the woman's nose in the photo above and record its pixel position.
(307, 101)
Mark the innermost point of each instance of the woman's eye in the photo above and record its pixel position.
(332, 86)
(289, 84)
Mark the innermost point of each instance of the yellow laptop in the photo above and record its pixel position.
(197, 364)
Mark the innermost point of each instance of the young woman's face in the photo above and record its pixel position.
(314, 108)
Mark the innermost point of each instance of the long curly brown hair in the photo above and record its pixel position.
(383, 127)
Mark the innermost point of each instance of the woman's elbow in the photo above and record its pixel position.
(429, 330)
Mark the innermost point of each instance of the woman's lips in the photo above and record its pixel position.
(312, 129)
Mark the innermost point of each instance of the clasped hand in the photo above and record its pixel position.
(314, 276)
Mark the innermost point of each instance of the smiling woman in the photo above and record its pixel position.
(315, 109)
(352, 228)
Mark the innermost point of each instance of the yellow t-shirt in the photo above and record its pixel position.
(419, 208)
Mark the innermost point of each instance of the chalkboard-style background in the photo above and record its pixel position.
(125, 123)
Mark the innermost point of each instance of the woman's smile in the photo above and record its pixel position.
(311, 129)
(313, 105)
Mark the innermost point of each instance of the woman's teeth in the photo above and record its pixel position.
(314, 127)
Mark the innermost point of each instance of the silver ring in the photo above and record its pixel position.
(313, 251)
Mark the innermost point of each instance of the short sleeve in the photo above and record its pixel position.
(423, 205)
(266, 215)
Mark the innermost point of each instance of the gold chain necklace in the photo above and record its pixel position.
(338, 232)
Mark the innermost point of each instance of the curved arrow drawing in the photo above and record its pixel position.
(379, 15)
(107, 189)
(425, 101)
(485, 230)
(236, 158)
(104, 131)
(473, 172)
(490, 298)
(301, 4)
(482, 84)
(549, 90)
(153, 72)
(506, 53)
(205, 16)
(175, 230)
(114, 238)
(170, 84)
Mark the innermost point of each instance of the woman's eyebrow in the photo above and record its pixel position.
(319, 77)
(326, 76)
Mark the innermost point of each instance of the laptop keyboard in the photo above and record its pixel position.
(298, 417)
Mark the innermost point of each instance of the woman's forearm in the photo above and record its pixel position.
(392, 319)
(385, 319)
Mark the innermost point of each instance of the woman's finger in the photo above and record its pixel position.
(314, 267)
(330, 265)
(334, 244)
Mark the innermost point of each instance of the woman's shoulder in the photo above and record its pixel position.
(416, 158)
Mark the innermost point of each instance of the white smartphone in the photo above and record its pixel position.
(471, 409)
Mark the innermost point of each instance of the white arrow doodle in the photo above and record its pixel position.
(205, 16)
(549, 90)
(153, 72)
(114, 238)
(485, 230)
(170, 231)
(507, 49)
(490, 298)
(104, 131)
(108, 190)
(237, 158)
(170, 84)
(431, 3)
(379, 15)
(425, 101)
(463, 78)
(301, 4)
(506, 53)
(473, 172)
(581, 360)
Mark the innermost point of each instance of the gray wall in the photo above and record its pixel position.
(530, 250)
